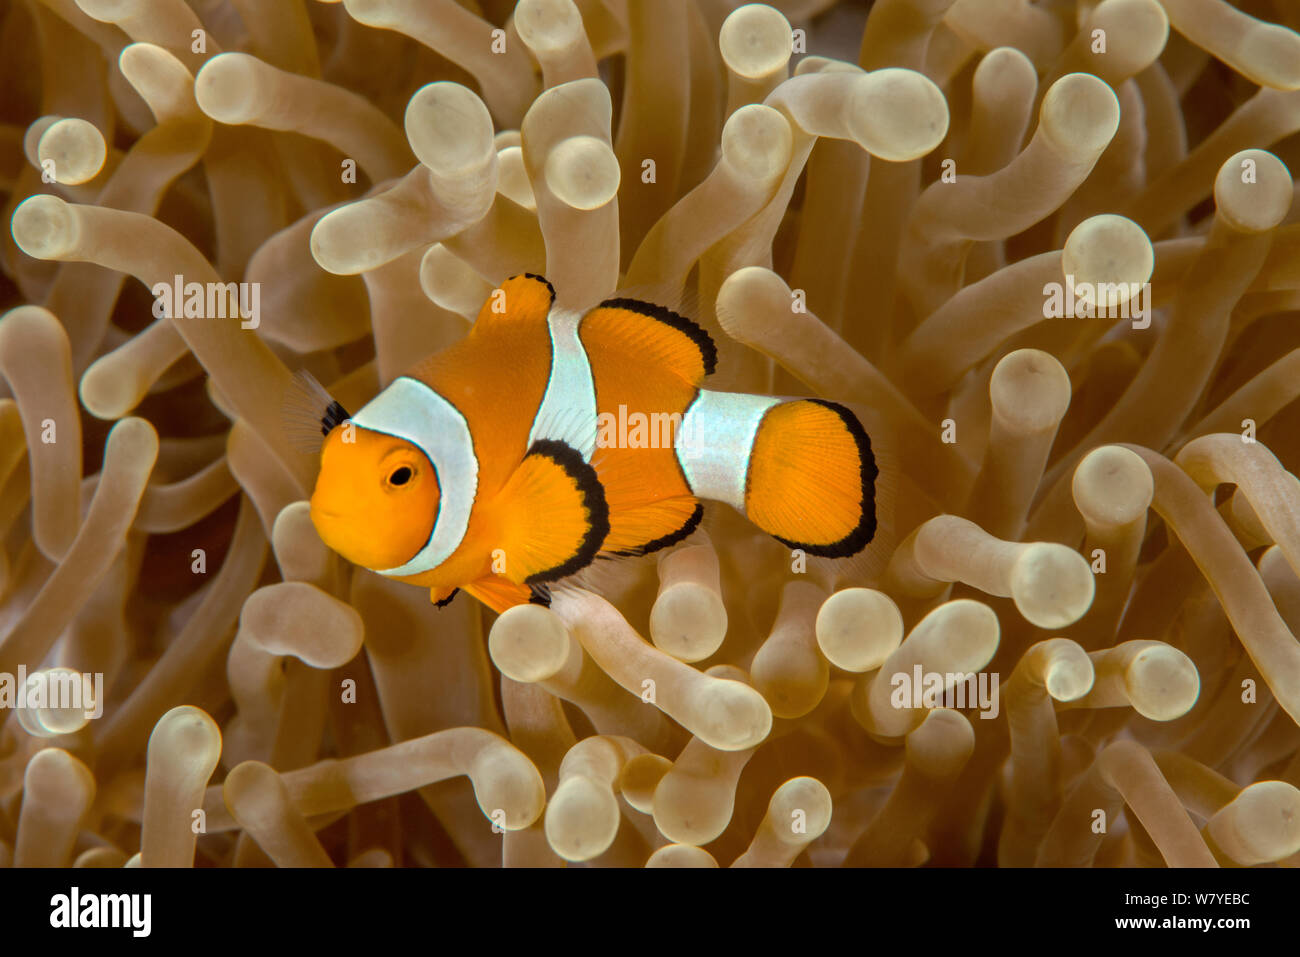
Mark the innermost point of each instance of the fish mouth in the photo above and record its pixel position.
(320, 510)
(328, 523)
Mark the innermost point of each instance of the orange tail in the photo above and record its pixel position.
(802, 470)
(812, 479)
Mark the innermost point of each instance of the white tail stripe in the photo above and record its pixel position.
(715, 441)
(410, 410)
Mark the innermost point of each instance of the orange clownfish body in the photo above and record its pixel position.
(547, 438)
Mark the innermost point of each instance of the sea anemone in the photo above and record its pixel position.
(1047, 251)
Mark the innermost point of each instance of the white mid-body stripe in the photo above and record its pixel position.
(715, 441)
(568, 408)
(410, 410)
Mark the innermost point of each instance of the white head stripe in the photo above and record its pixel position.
(568, 408)
(715, 441)
(410, 410)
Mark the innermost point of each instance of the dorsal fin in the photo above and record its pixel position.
(523, 298)
(655, 333)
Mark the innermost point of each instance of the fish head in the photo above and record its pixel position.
(376, 498)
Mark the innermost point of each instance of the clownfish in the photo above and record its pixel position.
(493, 465)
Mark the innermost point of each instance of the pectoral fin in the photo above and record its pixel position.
(551, 515)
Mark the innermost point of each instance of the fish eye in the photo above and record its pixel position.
(400, 476)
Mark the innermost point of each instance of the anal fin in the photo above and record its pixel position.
(648, 528)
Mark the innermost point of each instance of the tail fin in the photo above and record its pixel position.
(812, 478)
(803, 470)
